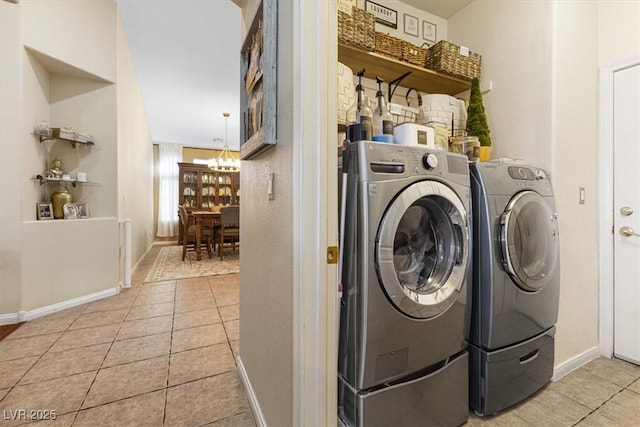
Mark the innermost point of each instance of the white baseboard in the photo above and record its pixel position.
(133, 269)
(25, 316)
(165, 242)
(8, 319)
(251, 396)
(575, 362)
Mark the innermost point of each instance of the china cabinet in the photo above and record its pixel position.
(203, 189)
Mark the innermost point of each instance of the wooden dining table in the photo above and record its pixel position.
(207, 218)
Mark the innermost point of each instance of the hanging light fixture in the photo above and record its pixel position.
(225, 160)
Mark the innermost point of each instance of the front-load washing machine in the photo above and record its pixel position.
(403, 357)
(515, 284)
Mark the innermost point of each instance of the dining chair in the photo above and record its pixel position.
(189, 233)
(229, 231)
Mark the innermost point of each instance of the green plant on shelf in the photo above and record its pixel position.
(476, 117)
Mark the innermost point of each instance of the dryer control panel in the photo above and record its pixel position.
(518, 172)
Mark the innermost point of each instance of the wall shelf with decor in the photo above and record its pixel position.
(56, 134)
(422, 79)
(55, 180)
(43, 180)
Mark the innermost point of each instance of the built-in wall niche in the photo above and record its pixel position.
(64, 96)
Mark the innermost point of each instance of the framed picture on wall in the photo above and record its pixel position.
(411, 25)
(258, 92)
(383, 14)
(429, 31)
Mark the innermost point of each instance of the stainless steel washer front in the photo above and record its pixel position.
(422, 249)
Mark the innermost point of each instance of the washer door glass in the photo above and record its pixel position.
(421, 249)
(529, 240)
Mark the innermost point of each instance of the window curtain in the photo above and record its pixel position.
(170, 155)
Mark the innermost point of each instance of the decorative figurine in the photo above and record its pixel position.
(56, 169)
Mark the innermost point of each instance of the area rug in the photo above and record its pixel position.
(169, 265)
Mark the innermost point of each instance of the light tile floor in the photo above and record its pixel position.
(156, 354)
(164, 354)
(604, 392)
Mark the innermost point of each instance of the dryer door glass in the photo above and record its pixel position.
(529, 238)
(421, 249)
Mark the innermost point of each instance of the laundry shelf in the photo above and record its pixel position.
(426, 81)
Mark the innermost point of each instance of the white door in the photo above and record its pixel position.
(626, 205)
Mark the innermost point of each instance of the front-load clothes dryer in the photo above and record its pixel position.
(403, 357)
(516, 284)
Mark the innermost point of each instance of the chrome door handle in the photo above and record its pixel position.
(628, 232)
(626, 211)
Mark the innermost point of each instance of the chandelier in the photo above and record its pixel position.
(225, 162)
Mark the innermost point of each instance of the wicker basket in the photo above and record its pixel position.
(389, 45)
(357, 29)
(445, 57)
(413, 54)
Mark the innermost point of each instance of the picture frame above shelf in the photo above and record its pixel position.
(422, 79)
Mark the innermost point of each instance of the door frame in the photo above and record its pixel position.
(605, 196)
(315, 172)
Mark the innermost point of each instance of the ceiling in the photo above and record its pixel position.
(186, 57)
(442, 8)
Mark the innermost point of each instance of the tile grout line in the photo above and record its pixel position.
(113, 340)
(173, 321)
(599, 406)
(39, 356)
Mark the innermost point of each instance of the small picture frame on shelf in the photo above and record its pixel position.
(70, 211)
(411, 25)
(44, 211)
(83, 210)
(429, 31)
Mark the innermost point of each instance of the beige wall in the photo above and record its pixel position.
(135, 152)
(575, 150)
(618, 31)
(515, 41)
(65, 75)
(189, 154)
(64, 260)
(11, 175)
(89, 44)
(266, 265)
(75, 258)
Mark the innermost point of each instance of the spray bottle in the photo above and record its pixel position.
(382, 118)
(359, 118)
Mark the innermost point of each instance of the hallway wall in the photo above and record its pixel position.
(10, 156)
(70, 79)
(135, 152)
(266, 281)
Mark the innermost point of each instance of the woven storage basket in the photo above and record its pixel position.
(444, 57)
(357, 29)
(413, 54)
(388, 45)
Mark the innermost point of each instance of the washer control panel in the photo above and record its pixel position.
(430, 161)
